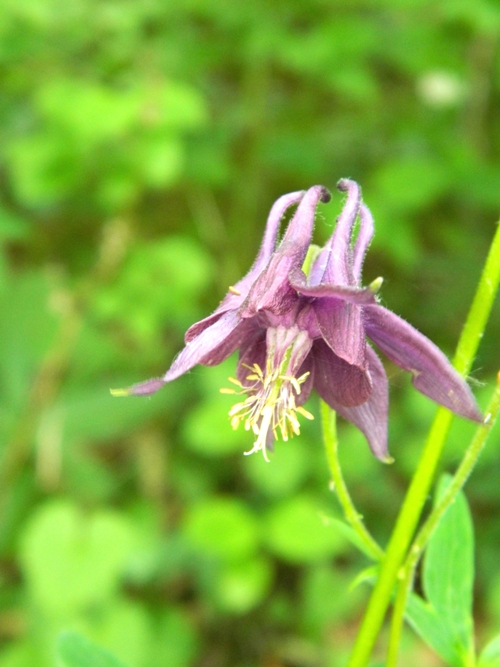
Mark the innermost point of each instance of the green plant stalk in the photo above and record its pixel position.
(352, 516)
(420, 485)
(463, 472)
(404, 588)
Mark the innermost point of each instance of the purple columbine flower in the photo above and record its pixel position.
(295, 331)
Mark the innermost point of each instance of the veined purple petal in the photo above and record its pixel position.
(433, 374)
(365, 235)
(271, 290)
(235, 297)
(338, 382)
(341, 326)
(360, 295)
(145, 388)
(272, 227)
(318, 268)
(211, 347)
(338, 270)
(232, 300)
(371, 416)
(299, 231)
(253, 352)
(198, 327)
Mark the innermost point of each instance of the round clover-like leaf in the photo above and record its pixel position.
(223, 528)
(207, 430)
(288, 468)
(297, 532)
(72, 560)
(241, 586)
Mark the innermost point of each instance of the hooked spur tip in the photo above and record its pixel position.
(343, 185)
(325, 196)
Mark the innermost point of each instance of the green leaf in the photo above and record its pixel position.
(430, 626)
(222, 528)
(123, 627)
(297, 532)
(27, 329)
(324, 602)
(285, 474)
(240, 586)
(449, 568)
(12, 225)
(351, 535)
(111, 416)
(72, 560)
(490, 655)
(368, 574)
(73, 650)
(176, 644)
(445, 622)
(207, 430)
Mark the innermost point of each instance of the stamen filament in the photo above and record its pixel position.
(269, 409)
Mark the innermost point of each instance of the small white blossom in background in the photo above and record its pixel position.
(441, 89)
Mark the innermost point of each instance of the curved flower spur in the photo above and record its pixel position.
(296, 331)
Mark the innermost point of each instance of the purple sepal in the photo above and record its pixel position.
(338, 382)
(371, 416)
(433, 374)
(145, 388)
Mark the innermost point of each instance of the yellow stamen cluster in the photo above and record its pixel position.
(270, 405)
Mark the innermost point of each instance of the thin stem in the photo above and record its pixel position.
(405, 586)
(419, 488)
(352, 516)
(463, 472)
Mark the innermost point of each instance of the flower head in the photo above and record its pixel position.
(296, 331)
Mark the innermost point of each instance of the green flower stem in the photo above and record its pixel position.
(404, 588)
(420, 485)
(352, 516)
(463, 472)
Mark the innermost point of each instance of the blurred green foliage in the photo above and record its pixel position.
(141, 146)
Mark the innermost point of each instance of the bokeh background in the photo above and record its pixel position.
(142, 144)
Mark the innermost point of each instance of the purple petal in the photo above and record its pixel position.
(317, 271)
(338, 382)
(365, 236)
(433, 374)
(272, 227)
(254, 352)
(299, 231)
(341, 325)
(198, 327)
(335, 260)
(211, 347)
(145, 388)
(234, 299)
(360, 295)
(371, 416)
(271, 290)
